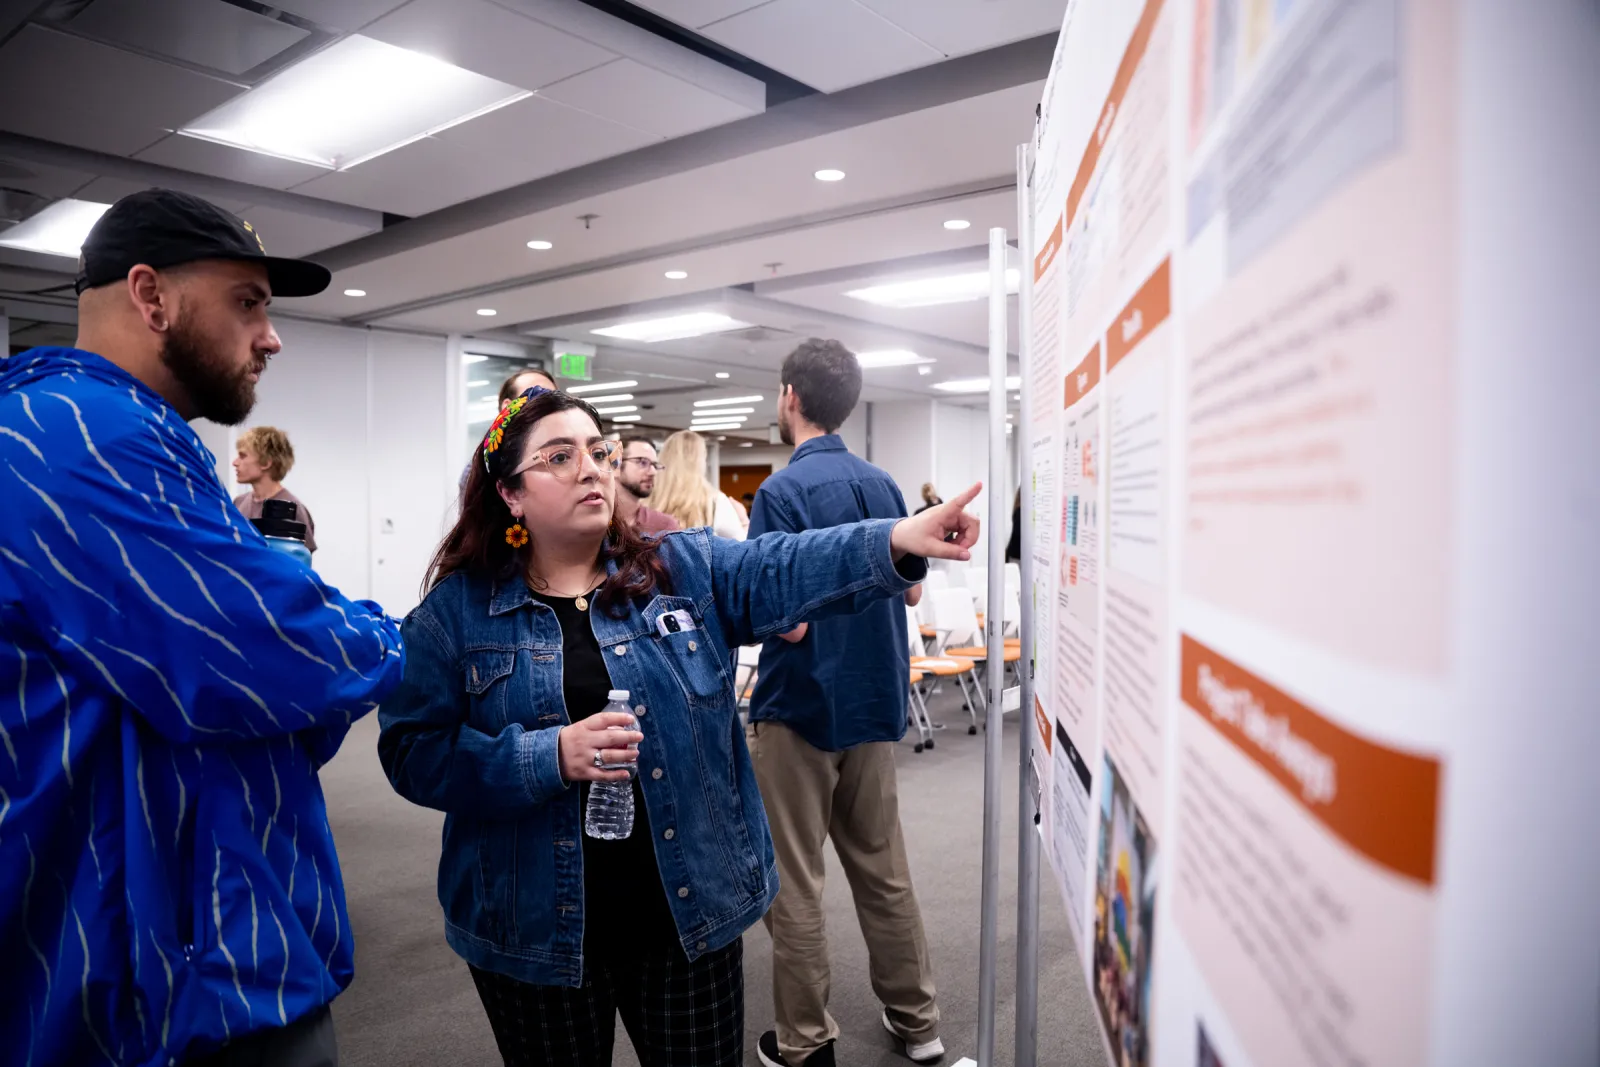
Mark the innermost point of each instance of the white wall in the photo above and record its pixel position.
(368, 414)
(902, 444)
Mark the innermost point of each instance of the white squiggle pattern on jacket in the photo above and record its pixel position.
(49, 502)
(66, 727)
(162, 604)
(267, 612)
(77, 413)
(283, 939)
(83, 994)
(183, 711)
(255, 698)
(216, 917)
(29, 445)
(69, 576)
(198, 581)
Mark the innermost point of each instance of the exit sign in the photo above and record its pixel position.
(575, 365)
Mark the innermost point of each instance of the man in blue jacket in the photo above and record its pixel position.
(169, 684)
(828, 708)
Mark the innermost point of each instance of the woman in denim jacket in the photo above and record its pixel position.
(539, 604)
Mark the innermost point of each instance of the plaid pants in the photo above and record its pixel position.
(677, 1013)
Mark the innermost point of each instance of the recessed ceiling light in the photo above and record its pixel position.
(723, 437)
(352, 101)
(609, 398)
(890, 357)
(956, 224)
(58, 230)
(677, 275)
(972, 385)
(924, 369)
(594, 387)
(747, 444)
(626, 418)
(540, 246)
(927, 292)
(829, 175)
(673, 327)
(620, 410)
(487, 312)
(723, 374)
(724, 401)
(478, 384)
(355, 292)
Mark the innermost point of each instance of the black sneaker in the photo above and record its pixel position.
(767, 1051)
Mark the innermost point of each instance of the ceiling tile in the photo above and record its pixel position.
(286, 233)
(219, 37)
(41, 179)
(697, 13)
(339, 14)
(110, 190)
(224, 161)
(76, 92)
(958, 27)
(514, 144)
(486, 38)
(646, 99)
(828, 44)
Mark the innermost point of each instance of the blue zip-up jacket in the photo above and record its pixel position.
(473, 732)
(169, 685)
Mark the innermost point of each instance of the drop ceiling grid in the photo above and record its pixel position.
(911, 232)
(893, 157)
(490, 40)
(829, 44)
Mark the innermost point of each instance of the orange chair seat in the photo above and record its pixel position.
(1013, 653)
(940, 667)
(927, 631)
(916, 676)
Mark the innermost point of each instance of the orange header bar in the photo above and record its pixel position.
(1043, 722)
(1149, 308)
(1084, 377)
(1108, 114)
(1047, 253)
(1382, 802)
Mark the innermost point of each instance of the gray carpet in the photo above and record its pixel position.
(413, 1002)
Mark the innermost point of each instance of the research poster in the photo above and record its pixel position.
(1237, 237)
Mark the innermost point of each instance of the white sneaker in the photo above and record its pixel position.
(916, 1052)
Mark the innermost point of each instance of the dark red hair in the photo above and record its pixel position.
(477, 543)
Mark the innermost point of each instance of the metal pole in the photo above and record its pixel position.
(1027, 808)
(988, 943)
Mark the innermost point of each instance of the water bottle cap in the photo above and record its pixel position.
(618, 695)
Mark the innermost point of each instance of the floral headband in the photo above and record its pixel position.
(497, 428)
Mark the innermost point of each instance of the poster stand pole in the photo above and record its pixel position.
(1028, 802)
(994, 623)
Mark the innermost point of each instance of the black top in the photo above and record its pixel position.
(624, 901)
(1014, 546)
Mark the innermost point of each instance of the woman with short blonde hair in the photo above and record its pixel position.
(684, 492)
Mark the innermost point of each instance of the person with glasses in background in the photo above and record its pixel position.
(514, 386)
(636, 479)
(540, 604)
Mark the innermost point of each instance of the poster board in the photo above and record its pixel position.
(1258, 733)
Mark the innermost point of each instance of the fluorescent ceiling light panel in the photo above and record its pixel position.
(626, 418)
(927, 292)
(609, 398)
(677, 275)
(717, 418)
(478, 383)
(973, 385)
(698, 426)
(890, 357)
(474, 359)
(725, 401)
(673, 327)
(351, 102)
(723, 413)
(58, 230)
(579, 390)
(621, 410)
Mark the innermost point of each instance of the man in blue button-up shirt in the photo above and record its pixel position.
(827, 711)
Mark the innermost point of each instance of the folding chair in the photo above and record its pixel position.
(953, 621)
(918, 712)
(960, 625)
(745, 671)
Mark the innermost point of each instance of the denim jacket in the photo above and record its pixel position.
(472, 732)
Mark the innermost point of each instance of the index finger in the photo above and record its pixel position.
(969, 496)
(608, 720)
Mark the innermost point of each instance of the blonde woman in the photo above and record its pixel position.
(263, 462)
(683, 491)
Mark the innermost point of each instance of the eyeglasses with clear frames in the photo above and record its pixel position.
(566, 461)
(645, 463)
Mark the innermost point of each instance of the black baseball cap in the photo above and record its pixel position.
(166, 228)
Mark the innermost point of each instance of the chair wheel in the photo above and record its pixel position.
(916, 748)
(971, 730)
(929, 744)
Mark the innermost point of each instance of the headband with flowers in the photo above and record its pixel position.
(497, 428)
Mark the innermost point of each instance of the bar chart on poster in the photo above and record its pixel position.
(1263, 743)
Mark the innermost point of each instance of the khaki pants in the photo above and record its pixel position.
(851, 796)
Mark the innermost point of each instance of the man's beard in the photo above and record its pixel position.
(216, 391)
(637, 489)
(785, 431)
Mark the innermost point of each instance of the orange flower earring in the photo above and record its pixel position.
(516, 535)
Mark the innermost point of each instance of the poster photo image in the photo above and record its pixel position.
(1124, 920)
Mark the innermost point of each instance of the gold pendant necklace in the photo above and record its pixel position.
(581, 601)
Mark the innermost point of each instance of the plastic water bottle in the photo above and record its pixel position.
(609, 815)
(280, 525)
